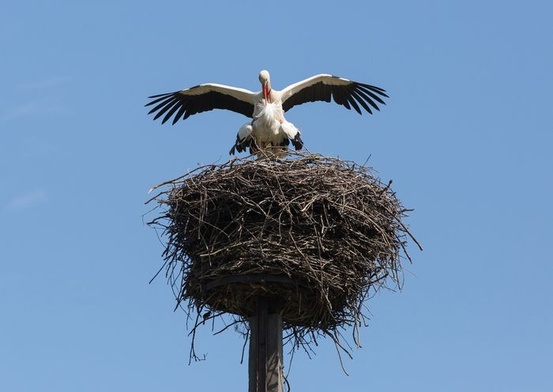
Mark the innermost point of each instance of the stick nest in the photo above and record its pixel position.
(312, 234)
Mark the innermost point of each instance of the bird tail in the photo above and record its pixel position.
(293, 134)
(243, 139)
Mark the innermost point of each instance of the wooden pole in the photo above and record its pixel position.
(265, 359)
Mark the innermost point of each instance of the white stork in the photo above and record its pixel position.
(268, 127)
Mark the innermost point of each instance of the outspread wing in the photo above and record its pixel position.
(202, 98)
(345, 92)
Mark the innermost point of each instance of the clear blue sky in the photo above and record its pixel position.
(466, 137)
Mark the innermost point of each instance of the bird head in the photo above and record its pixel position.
(265, 84)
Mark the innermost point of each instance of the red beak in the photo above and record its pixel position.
(266, 92)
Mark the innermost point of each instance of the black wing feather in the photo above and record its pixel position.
(170, 114)
(353, 103)
(340, 97)
(159, 105)
(361, 100)
(371, 90)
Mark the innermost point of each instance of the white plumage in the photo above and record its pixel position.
(268, 127)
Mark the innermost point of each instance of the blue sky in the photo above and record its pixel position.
(466, 137)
